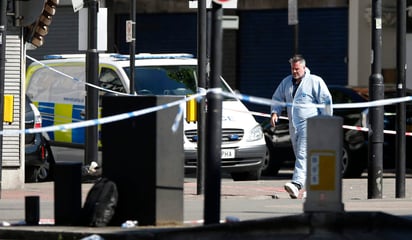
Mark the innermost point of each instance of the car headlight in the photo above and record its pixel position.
(255, 134)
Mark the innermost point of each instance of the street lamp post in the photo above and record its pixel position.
(376, 90)
(92, 73)
(214, 123)
(400, 107)
(132, 46)
(201, 70)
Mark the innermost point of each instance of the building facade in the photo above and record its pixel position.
(334, 36)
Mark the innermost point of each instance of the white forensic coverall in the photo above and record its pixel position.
(311, 90)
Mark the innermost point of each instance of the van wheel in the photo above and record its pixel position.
(246, 176)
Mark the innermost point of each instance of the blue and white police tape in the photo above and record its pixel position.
(104, 120)
(375, 103)
(269, 102)
(251, 99)
(178, 117)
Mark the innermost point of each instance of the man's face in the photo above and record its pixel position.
(298, 70)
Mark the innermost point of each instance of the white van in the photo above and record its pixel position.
(60, 96)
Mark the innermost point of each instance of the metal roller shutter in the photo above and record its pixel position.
(324, 42)
(12, 152)
(160, 33)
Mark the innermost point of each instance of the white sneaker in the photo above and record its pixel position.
(292, 190)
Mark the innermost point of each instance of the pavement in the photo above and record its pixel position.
(248, 210)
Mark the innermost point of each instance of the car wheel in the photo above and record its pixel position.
(351, 167)
(37, 173)
(46, 171)
(31, 173)
(43, 172)
(270, 166)
(246, 176)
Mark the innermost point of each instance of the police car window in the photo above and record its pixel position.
(110, 80)
(165, 80)
(48, 85)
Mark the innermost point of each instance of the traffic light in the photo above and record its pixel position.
(36, 32)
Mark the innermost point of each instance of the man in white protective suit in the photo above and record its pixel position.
(300, 90)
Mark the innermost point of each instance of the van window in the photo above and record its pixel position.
(49, 86)
(165, 80)
(110, 80)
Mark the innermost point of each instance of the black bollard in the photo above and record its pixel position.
(67, 193)
(32, 210)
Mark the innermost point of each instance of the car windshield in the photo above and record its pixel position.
(346, 95)
(166, 80)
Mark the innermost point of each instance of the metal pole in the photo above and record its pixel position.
(92, 74)
(376, 90)
(400, 107)
(201, 76)
(293, 19)
(132, 46)
(296, 46)
(214, 124)
(3, 33)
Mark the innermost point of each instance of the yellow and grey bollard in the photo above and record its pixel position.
(324, 150)
(8, 109)
(191, 111)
